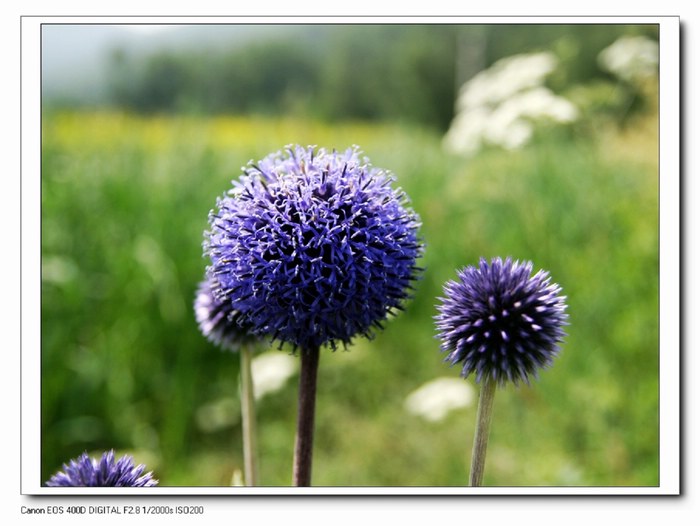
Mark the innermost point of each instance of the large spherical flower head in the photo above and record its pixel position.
(314, 246)
(217, 320)
(86, 471)
(499, 320)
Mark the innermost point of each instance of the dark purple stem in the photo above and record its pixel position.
(303, 446)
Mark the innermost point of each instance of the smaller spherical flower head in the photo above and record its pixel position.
(218, 321)
(86, 472)
(501, 321)
(314, 246)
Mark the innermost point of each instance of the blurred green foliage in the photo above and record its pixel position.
(124, 204)
(401, 72)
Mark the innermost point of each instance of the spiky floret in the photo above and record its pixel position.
(86, 471)
(313, 246)
(499, 320)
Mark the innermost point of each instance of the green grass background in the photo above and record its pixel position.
(124, 204)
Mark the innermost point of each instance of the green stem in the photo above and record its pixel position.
(303, 445)
(483, 426)
(250, 461)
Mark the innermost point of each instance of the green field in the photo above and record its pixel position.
(124, 204)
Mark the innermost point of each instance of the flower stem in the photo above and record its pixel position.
(483, 426)
(303, 446)
(250, 461)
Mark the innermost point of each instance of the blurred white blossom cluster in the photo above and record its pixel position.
(271, 370)
(500, 105)
(434, 400)
(631, 58)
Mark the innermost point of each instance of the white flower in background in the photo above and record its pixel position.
(505, 78)
(271, 370)
(237, 478)
(511, 123)
(500, 105)
(466, 132)
(434, 400)
(631, 58)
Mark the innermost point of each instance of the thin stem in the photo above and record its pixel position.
(250, 461)
(483, 426)
(303, 446)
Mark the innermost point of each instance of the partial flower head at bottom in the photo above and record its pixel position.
(85, 472)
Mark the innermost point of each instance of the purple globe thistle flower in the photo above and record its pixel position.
(218, 321)
(85, 471)
(314, 246)
(500, 321)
